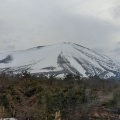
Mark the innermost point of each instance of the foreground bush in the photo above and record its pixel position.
(74, 98)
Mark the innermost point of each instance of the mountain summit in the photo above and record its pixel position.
(58, 60)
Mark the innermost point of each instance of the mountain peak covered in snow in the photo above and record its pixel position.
(58, 60)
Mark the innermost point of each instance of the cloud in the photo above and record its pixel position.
(116, 12)
(28, 23)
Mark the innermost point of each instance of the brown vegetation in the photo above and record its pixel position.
(74, 98)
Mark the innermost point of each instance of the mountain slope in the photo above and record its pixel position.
(60, 59)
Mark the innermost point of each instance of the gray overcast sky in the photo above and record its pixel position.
(91, 23)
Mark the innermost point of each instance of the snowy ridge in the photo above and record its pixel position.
(60, 59)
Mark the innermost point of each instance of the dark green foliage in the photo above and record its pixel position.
(30, 91)
(4, 101)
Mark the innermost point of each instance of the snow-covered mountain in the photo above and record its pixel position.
(60, 59)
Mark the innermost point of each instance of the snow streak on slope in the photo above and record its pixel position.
(59, 60)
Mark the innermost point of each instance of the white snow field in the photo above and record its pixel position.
(58, 60)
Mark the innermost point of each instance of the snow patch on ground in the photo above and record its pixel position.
(8, 119)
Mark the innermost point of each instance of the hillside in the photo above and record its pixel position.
(59, 60)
